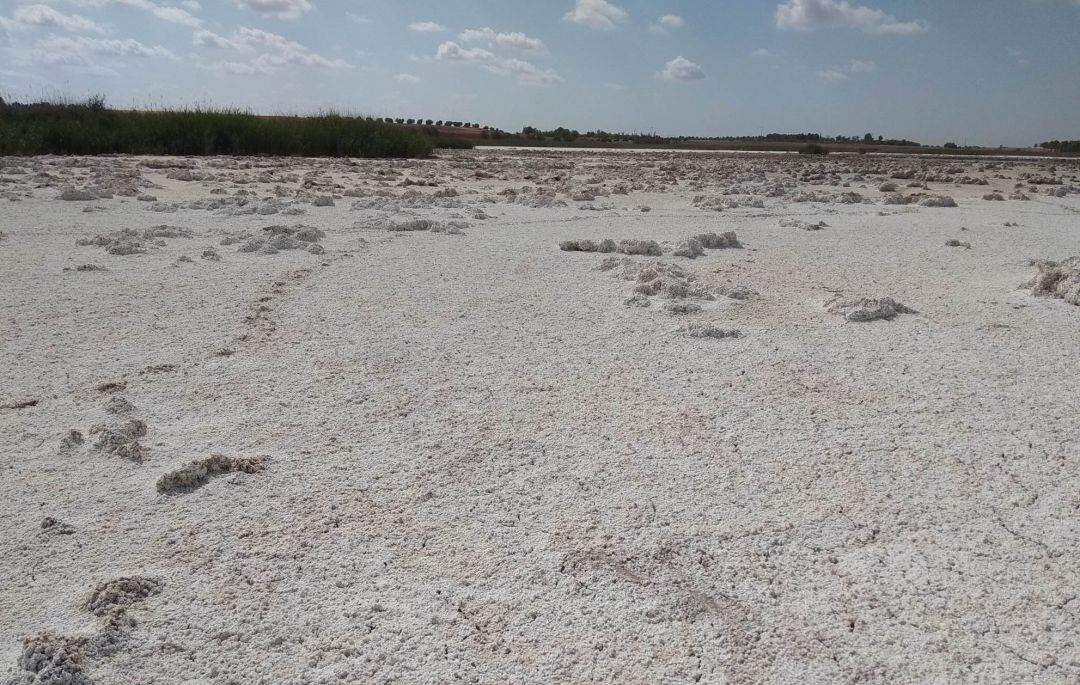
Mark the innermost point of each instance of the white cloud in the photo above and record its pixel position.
(682, 69)
(426, 27)
(280, 9)
(491, 38)
(359, 18)
(855, 66)
(169, 13)
(84, 51)
(600, 15)
(832, 75)
(526, 72)
(810, 15)
(268, 51)
(407, 78)
(43, 15)
(666, 23)
(762, 52)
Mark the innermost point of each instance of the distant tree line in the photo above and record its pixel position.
(566, 135)
(1062, 145)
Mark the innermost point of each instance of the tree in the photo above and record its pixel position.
(868, 138)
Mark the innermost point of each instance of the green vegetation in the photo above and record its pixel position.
(90, 128)
(1062, 145)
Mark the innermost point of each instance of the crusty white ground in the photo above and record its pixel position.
(482, 467)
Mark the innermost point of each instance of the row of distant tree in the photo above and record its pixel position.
(431, 122)
(1062, 145)
(566, 135)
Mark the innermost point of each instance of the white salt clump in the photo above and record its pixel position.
(691, 249)
(122, 440)
(1058, 279)
(899, 199)
(799, 223)
(51, 659)
(72, 195)
(937, 201)
(708, 330)
(199, 471)
(866, 309)
(712, 241)
(682, 308)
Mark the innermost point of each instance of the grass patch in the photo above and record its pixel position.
(90, 128)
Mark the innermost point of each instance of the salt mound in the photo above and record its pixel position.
(628, 247)
(712, 241)
(937, 201)
(279, 238)
(799, 223)
(412, 225)
(691, 249)
(682, 308)
(899, 199)
(1058, 279)
(72, 195)
(866, 309)
(957, 243)
(994, 197)
(51, 659)
(122, 440)
(119, 594)
(708, 330)
(198, 472)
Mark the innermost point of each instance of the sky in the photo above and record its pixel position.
(988, 72)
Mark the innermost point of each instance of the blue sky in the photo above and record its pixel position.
(981, 71)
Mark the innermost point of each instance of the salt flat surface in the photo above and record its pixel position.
(459, 453)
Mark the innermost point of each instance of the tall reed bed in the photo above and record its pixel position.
(90, 128)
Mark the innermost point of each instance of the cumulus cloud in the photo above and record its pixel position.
(289, 10)
(84, 51)
(682, 69)
(426, 27)
(810, 15)
(761, 52)
(859, 66)
(526, 72)
(491, 38)
(407, 78)
(266, 51)
(600, 15)
(45, 16)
